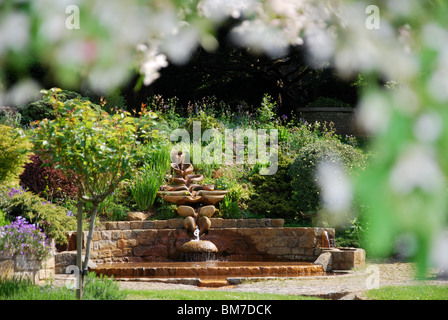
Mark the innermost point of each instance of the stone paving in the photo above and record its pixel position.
(350, 285)
(343, 286)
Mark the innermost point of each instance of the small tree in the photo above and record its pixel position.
(99, 149)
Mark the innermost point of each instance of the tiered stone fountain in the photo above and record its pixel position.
(196, 204)
(169, 250)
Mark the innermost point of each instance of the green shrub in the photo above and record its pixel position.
(229, 209)
(3, 220)
(266, 112)
(52, 219)
(164, 210)
(303, 133)
(207, 122)
(145, 187)
(113, 207)
(102, 288)
(272, 193)
(303, 170)
(42, 109)
(15, 149)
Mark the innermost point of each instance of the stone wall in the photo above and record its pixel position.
(342, 118)
(27, 266)
(236, 239)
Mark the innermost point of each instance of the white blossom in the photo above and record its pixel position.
(336, 188)
(416, 167)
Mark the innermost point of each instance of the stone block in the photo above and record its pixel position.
(216, 222)
(145, 234)
(175, 223)
(107, 245)
(148, 225)
(124, 225)
(25, 262)
(264, 222)
(127, 234)
(136, 224)
(7, 267)
(228, 223)
(160, 224)
(113, 225)
(115, 235)
(277, 223)
(121, 244)
(141, 251)
(136, 216)
(106, 235)
(325, 260)
(96, 235)
(65, 259)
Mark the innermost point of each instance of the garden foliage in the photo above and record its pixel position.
(303, 170)
(21, 237)
(54, 220)
(43, 179)
(43, 109)
(15, 149)
(272, 195)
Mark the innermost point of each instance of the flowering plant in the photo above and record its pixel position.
(21, 237)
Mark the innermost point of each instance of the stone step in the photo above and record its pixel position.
(209, 271)
(178, 223)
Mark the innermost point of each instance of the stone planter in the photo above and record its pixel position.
(341, 258)
(27, 266)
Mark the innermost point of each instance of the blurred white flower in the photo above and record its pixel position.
(438, 82)
(320, 43)
(179, 46)
(151, 63)
(439, 250)
(364, 50)
(336, 188)
(373, 113)
(260, 37)
(428, 127)
(416, 167)
(218, 10)
(14, 32)
(21, 93)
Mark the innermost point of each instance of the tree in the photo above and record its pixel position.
(99, 149)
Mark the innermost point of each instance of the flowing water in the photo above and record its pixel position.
(217, 270)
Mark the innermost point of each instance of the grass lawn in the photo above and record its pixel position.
(207, 295)
(418, 292)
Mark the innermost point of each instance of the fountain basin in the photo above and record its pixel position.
(199, 246)
(214, 273)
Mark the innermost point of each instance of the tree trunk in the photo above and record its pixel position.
(79, 279)
(84, 270)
